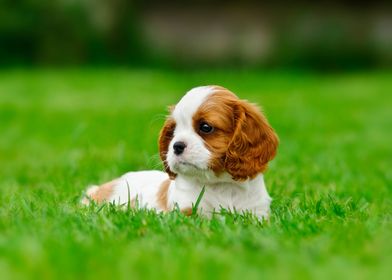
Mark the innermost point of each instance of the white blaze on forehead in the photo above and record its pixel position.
(190, 103)
(196, 156)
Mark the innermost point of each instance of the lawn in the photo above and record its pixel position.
(331, 181)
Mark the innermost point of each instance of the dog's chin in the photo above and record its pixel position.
(202, 176)
(187, 168)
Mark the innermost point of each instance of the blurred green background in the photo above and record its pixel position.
(323, 35)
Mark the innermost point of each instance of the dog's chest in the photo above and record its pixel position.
(215, 197)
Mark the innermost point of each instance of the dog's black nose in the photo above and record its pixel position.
(179, 148)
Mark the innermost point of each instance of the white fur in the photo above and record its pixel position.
(193, 174)
(141, 186)
(196, 156)
(250, 195)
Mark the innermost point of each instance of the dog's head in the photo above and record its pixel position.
(212, 131)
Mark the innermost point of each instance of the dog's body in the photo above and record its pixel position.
(154, 189)
(211, 140)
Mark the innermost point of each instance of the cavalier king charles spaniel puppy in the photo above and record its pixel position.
(211, 140)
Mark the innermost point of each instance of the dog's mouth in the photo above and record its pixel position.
(185, 163)
(184, 167)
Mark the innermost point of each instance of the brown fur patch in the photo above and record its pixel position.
(162, 195)
(165, 137)
(132, 202)
(242, 142)
(253, 145)
(187, 211)
(104, 192)
(217, 111)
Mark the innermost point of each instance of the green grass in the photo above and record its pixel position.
(331, 181)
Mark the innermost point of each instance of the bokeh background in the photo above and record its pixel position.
(326, 35)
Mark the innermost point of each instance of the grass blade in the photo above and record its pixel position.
(196, 206)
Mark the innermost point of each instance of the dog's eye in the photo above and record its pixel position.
(206, 128)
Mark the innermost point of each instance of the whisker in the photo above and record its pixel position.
(155, 161)
(158, 117)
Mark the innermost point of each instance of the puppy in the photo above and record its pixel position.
(211, 140)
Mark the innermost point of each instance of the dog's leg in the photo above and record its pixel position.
(99, 194)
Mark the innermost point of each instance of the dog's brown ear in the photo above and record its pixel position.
(253, 145)
(165, 137)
